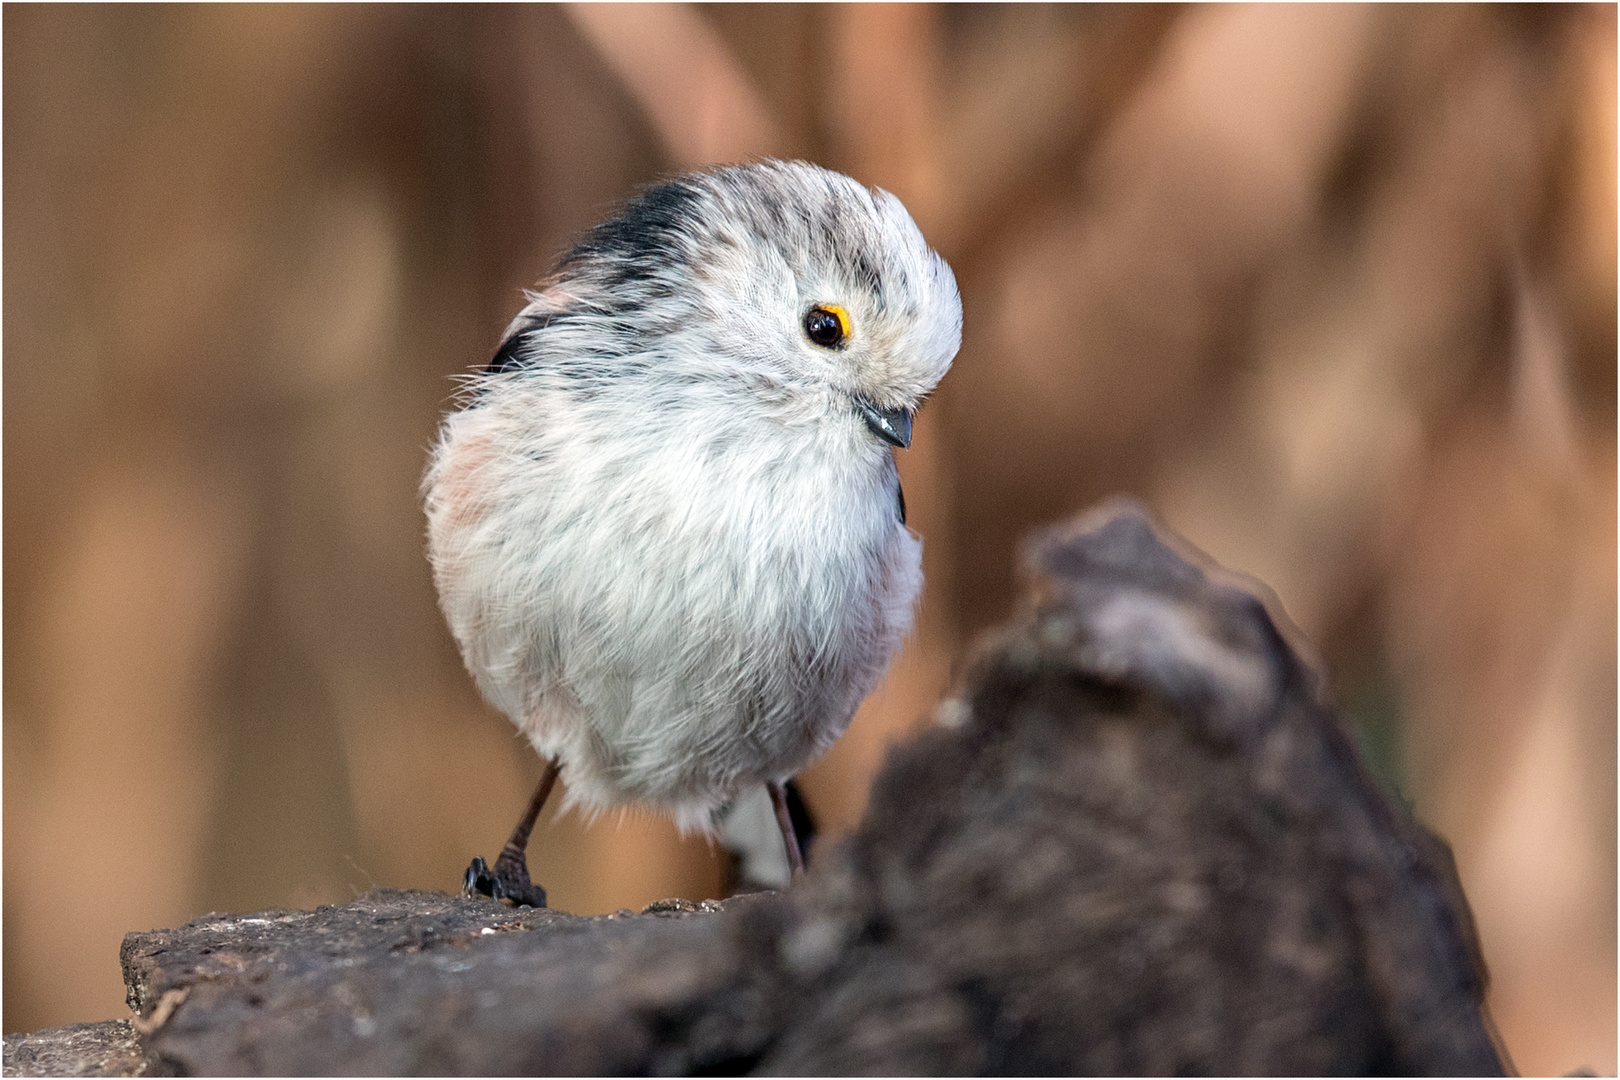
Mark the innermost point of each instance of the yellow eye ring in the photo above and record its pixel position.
(827, 325)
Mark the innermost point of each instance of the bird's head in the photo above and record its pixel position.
(819, 292)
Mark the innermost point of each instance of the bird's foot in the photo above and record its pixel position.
(508, 882)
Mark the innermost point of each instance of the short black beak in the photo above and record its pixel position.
(891, 425)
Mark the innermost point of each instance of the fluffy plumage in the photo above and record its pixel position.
(664, 533)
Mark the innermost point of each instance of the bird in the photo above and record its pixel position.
(665, 521)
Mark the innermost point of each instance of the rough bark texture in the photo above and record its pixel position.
(110, 1048)
(1136, 842)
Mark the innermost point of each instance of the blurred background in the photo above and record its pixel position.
(1332, 289)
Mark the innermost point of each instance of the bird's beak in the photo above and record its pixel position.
(891, 425)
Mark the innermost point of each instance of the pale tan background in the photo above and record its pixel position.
(1332, 289)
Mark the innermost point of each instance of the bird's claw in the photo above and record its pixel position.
(508, 882)
(478, 881)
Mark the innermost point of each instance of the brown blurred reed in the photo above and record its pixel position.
(1331, 288)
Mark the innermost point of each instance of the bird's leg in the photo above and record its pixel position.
(784, 821)
(509, 882)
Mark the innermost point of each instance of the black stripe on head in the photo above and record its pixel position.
(644, 238)
(509, 357)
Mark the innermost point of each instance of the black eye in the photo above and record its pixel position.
(826, 326)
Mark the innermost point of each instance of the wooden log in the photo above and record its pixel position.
(1136, 842)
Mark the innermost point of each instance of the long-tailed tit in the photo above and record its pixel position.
(666, 525)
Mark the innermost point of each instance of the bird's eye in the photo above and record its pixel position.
(827, 325)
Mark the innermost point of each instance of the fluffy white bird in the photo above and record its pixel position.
(666, 525)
